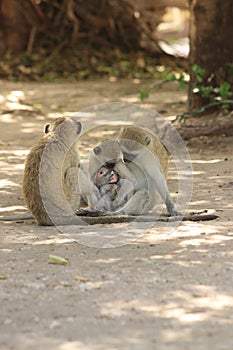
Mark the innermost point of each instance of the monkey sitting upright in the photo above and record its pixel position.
(51, 167)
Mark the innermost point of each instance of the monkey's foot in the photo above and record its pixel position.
(174, 212)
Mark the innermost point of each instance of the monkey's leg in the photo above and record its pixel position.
(87, 189)
(138, 204)
(161, 185)
(163, 191)
(104, 204)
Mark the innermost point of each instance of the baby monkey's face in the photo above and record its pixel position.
(106, 175)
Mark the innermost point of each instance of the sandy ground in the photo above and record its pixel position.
(163, 291)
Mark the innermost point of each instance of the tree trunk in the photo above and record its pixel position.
(14, 28)
(211, 45)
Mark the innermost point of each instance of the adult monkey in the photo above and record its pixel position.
(52, 163)
(147, 159)
(51, 167)
(141, 162)
(50, 170)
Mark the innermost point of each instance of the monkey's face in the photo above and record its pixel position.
(106, 175)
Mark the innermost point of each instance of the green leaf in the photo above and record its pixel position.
(183, 84)
(225, 90)
(199, 79)
(198, 70)
(172, 77)
(3, 277)
(57, 260)
(206, 91)
(143, 94)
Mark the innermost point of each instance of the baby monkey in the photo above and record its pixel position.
(106, 186)
(107, 181)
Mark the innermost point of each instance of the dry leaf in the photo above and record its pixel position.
(57, 260)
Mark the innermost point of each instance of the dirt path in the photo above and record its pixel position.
(163, 291)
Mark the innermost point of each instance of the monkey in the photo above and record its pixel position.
(50, 168)
(104, 178)
(56, 154)
(141, 162)
(107, 180)
(147, 159)
(108, 184)
(103, 191)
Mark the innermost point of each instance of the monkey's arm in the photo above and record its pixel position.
(126, 186)
(87, 188)
(156, 180)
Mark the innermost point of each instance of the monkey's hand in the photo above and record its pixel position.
(124, 192)
(171, 209)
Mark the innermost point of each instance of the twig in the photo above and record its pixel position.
(31, 39)
(91, 220)
(202, 109)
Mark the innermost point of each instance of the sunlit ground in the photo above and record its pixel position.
(168, 290)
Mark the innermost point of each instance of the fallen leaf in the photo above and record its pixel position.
(81, 279)
(57, 260)
(3, 277)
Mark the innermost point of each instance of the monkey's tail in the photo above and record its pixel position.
(20, 217)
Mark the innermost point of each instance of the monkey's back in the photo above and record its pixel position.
(31, 184)
(140, 135)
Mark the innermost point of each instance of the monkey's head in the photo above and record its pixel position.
(134, 139)
(106, 175)
(49, 127)
(107, 154)
(139, 135)
(61, 123)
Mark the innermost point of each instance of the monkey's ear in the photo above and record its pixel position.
(147, 140)
(97, 150)
(46, 128)
(79, 127)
